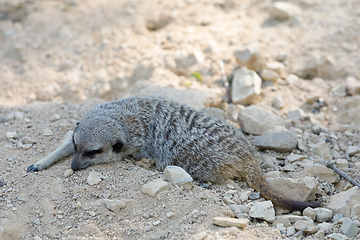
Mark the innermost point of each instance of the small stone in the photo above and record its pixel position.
(154, 187)
(114, 205)
(277, 67)
(295, 157)
(290, 231)
(55, 117)
(258, 121)
(263, 210)
(291, 218)
(337, 236)
(36, 221)
(352, 150)
(310, 228)
(323, 214)
(323, 150)
(349, 228)
(156, 223)
(284, 10)
(19, 115)
(37, 238)
(177, 175)
(26, 146)
(352, 86)
(170, 215)
(68, 173)
(337, 217)
(296, 115)
(339, 90)
(244, 196)
(12, 135)
(342, 163)
(92, 213)
(231, 222)
(249, 57)
(246, 86)
(28, 140)
(94, 178)
(254, 196)
(322, 172)
(282, 220)
(277, 102)
(47, 132)
(282, 141)
(320, 67)
(310, 212)
(269, 75)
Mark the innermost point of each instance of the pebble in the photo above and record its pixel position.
(337, 217)
(48, 132)
(349, 228)
(277, 67)
(263, 210)
(178, 176)
(249, 57)
(337, 236)
(325, 226)
(68, 173)
(352, 150)
(12, 135)
(19, 115)
(310, 228)
(269, 75)
(284, 10)
(258, 121)
(352, 86)
(114, 205)
(321, 172)
(277, 102)
(94, 178)
(310, 212)
(231, 222)
(295, 157)
(355, 211)
(154, 187)
(282, 141)
(290, 231)
(28, 140)
(323, 214)
(244, 196)
(296, 115)
(170, 214)
(246, 86)
(323, 150)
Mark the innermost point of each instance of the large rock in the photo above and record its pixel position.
(258, 121)
(322, 172)
(284, 10)
(246, 86)
(177, 175)
(298, 189)
(263, 210)
(342, 203)
(250, 57)
(282, 141)
(196, 98)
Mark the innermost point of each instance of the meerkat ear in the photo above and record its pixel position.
(118, 146)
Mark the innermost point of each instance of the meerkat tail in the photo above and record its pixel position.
(65, 150)
(256, 180)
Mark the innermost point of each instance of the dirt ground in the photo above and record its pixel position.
(59, 58)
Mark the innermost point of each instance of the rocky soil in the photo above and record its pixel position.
(286, 74)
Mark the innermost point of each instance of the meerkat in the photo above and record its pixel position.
(169, 133)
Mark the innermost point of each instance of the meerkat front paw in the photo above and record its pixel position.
(33, 168)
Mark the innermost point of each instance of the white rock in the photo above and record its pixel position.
(337, 236)
(177, 175)
(322, 67)
(321, 172)
(298, 189)
(277, 67)
(323, 214)
(309, 227)
(284, 10)
(55, 117)
(244, 196)
(246, 86)
(295, 157)
(310, 212)
(352, 86)
(277, 102)
(249, 57)
(47, 132)
(291, 218)
(355, 211)
(12, 135)
(258, 121)
(325, 226)
(94, 178)
(281, 141)
(263, 210)
(323, 150)
(269, 75)
(342, 163)
(28, 140)
(68, 173)
(114, 205)
(154, 187)
(19, 115)
(352, 150)
(290, 231)
(349, 228)
(341, 203)
(231, 222)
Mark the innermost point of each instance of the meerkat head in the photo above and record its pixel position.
(97, 140)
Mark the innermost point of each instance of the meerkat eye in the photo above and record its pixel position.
(92, 153)
(118, 146)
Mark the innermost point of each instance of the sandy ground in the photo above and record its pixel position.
(59, 58)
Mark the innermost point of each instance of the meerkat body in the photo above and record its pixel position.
(169, 133)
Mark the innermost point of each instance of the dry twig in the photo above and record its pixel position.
(332, 166)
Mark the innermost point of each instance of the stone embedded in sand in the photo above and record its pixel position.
(94, 178)
(114, 205)
(68, 173)
(154, 187)
(231, 222)
(12, 135)
(177, 175)
(284, 10)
